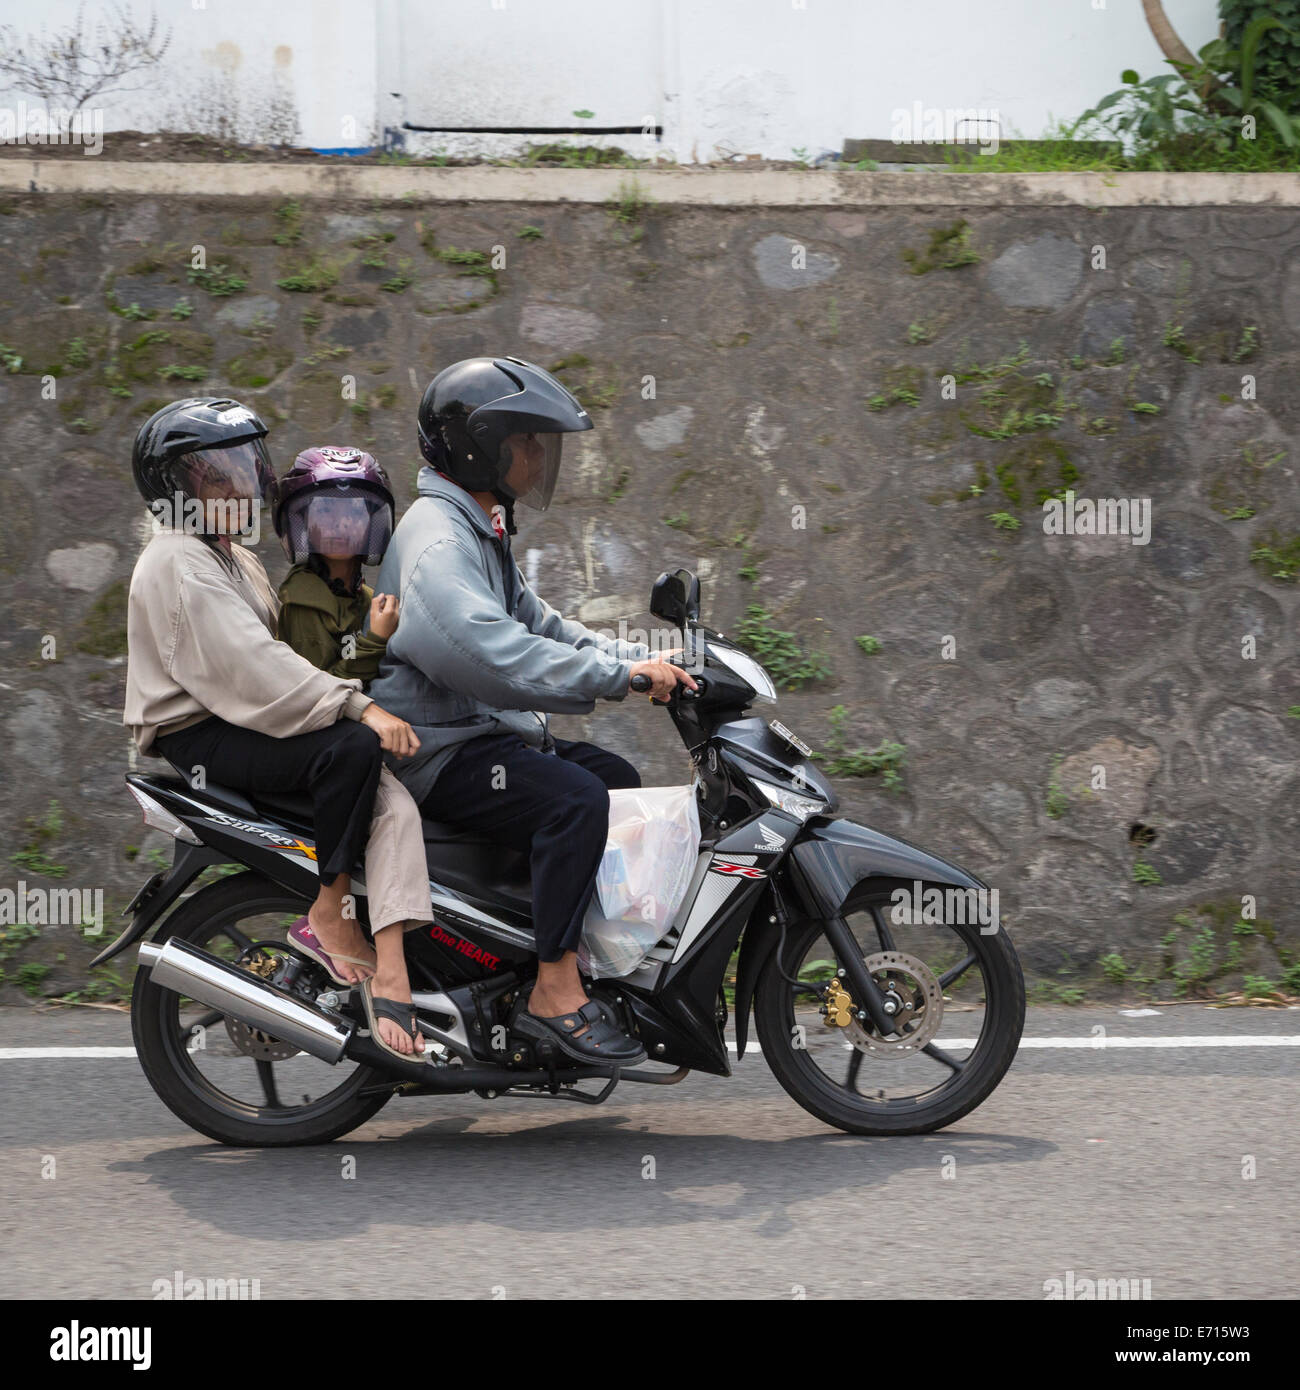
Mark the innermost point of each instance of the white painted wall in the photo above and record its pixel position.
(746, 76)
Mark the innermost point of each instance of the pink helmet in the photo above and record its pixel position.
(335, 492)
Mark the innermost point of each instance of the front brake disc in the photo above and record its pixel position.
(917, 996)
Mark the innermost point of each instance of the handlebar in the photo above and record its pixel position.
(642, 683)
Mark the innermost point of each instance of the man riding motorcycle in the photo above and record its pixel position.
(479, 660)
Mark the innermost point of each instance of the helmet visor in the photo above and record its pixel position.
(532, 464)
(231, 483)
(337, 523)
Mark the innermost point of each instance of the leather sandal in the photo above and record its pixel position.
(587, 1035)
(395, 1011)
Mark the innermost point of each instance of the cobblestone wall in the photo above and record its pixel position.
(847, 422)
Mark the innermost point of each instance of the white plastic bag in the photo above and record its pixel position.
(654, 841)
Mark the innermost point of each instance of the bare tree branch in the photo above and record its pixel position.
(74, 65)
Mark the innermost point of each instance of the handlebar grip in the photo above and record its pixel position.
(641, 683)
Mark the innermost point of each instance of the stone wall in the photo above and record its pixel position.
(769, 393)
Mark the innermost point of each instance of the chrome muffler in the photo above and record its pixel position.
(220, 985)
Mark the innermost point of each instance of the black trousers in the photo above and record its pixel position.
(553, 805)
(338, 767)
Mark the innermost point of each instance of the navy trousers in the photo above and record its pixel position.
(554, 805)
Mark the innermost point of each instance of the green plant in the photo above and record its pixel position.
(530, 233)
(182, 309)
(870, 645)
(1145, 873)
(289, 216)
(920, 332)
(76, 354)
(1057, 801)
(1211, 103)
(1280, 557)
(885, 760)
(188, 373)
(630, 204)
(1116, 355)
(1144, 408)
(1114, 968)
(318, 274)
(948, 248)
(779, 652)
(217, 279)
(1175, 338)
(1257, 986)
(1246, 344)
(41, 834)
(30, 975)
(1004, 521)
(12, 358)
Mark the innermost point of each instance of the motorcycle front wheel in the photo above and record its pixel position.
(960, 1000)
(233, 1083)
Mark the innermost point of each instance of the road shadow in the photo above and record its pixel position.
(592, 1172)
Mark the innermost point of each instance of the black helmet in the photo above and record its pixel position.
(199, 438)
(469, 410)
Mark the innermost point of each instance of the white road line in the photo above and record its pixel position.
(16, 1054)
(1097, 1044)
(1101, 1043)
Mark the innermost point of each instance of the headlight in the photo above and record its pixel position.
(747, 669)
(801, 807)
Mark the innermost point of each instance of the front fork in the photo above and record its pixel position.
(867, 1000)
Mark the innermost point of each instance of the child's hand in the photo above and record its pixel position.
(383, 615)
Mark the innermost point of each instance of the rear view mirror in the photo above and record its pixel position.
(676, 598)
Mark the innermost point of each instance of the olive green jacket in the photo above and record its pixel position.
(315, 621)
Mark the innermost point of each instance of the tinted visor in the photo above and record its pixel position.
(337, 522)
(238, 473)
(530, 465)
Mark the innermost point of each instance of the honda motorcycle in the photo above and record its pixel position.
(877, 1013)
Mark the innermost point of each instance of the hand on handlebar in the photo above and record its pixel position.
(660, 678)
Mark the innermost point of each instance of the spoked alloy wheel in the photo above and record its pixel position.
(234, 1083)
(959, 999)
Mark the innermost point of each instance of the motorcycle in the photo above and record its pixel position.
(877, 1011)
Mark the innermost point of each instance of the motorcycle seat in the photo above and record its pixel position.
(458, 857)
(466, 860)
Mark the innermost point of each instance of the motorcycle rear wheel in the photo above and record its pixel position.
(223, 919)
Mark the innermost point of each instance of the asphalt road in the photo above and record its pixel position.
(1109, 1162)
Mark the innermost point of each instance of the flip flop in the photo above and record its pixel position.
(305, 939)
(395, 1011)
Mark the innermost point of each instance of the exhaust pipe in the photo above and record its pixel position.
(243, 996)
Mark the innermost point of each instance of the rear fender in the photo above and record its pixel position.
(160, 893)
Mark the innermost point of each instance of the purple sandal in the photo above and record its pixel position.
(305, 939)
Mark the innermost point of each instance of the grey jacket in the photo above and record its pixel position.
(476, 651)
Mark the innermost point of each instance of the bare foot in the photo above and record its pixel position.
(342, 936)
(398, 988)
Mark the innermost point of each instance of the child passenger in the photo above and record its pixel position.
(334, 514)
